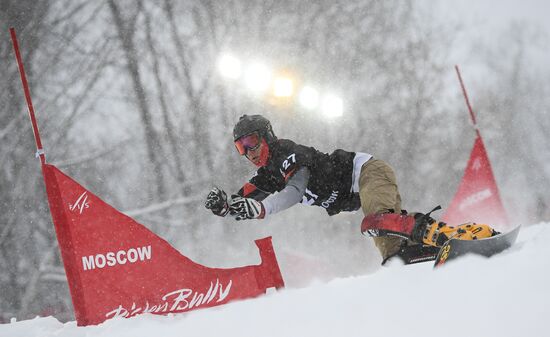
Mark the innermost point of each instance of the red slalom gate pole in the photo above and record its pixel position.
(39, 149)
(480, 147)
(472, 115)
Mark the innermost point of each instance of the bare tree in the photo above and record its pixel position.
(126, 28)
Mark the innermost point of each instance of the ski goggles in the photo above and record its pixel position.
(248, 142)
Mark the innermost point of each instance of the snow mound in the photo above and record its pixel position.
(506, 295)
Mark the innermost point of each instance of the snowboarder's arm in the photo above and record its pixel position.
(249, 190)
(248, 208)
(290, 195)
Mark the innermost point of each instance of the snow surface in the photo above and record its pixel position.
(506, 295)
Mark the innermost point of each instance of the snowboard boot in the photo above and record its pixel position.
(431, 232)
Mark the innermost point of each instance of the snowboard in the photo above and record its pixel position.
(402, 225)
(455, 248)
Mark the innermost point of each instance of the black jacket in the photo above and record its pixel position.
(329, 184)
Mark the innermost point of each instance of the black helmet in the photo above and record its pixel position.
(254, 123)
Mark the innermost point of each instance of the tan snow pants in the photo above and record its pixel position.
(379, 194)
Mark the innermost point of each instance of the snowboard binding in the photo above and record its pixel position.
(422, 228)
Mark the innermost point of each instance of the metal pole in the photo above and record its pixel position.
(39, 149)
(472, 115)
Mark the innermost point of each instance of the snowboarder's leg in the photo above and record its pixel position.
(379, 194)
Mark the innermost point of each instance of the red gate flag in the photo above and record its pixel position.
(477, 198)
(116, 267)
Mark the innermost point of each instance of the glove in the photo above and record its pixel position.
(246, 208)
(216, 201)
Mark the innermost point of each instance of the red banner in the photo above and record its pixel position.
(477, 198)
(117, 267)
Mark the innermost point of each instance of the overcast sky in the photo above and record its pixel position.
(485, 25)
(486, 19)
(491, 14)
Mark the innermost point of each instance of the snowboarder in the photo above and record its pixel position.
(340, 181)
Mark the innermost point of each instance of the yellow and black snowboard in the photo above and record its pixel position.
(487, 247)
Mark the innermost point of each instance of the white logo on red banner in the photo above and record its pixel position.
(475, 198)
(80, 204)
(476, 166)
(111, 259)
(179, 300)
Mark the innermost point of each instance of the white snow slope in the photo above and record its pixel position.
(506, 295)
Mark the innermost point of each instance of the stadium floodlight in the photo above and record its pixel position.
(283, 87)
(229, 67)
(309, 98)
(257, 77)
(332, 106)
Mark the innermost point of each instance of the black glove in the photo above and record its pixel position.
(216, 201)
(246, 208)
